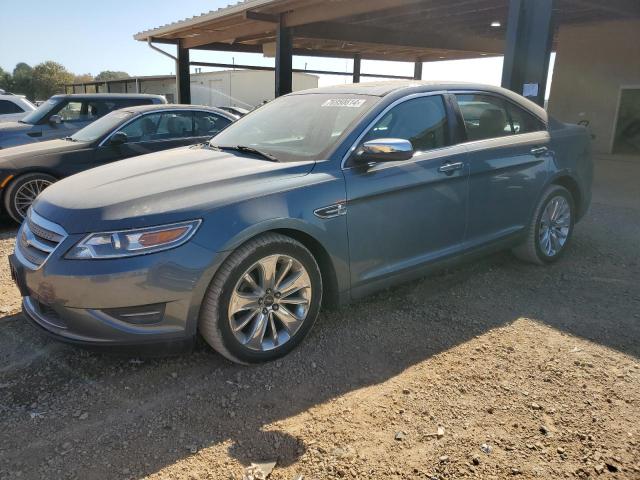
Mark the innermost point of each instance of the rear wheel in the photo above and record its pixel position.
(263, 301)
(22, 192)
(551, 228)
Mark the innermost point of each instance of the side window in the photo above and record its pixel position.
(142, 129)
(9, 107)
(97, 109)
(175, 125)
(208, 124)
(522, 121)
(484, 116)
(422, 121)
(73, 112)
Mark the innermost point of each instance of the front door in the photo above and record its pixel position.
(152, 132)
(403, 215)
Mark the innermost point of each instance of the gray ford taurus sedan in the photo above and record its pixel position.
(320, 196)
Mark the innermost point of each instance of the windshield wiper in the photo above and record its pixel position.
(245, 149)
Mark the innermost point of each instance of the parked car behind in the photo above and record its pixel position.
(63, 115)
(238, 111)
(14, 107)
(323, 195)
(27, 170)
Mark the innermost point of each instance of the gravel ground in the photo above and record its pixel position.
(491, 370)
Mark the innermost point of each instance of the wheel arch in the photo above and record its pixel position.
(327, 270)
(567, 181)
(307, 235)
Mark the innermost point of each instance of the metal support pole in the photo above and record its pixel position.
(183, 78)
(284, 60)
(528, 46)
(357, 60)
(417, 70)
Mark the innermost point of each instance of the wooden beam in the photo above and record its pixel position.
(261, 17)
(374, 35)
(624, 8)
(333, 10)
(229, 35)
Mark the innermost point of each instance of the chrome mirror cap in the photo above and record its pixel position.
(384, 150)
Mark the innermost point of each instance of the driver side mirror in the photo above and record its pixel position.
(384, 150)
(118, 138)
(55, 119)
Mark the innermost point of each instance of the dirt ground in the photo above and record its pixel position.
(495, 369)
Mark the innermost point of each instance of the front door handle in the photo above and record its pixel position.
(449, 168)
(539, 151)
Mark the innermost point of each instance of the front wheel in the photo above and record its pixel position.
(551, 228)
(22, 192)
(263, 301)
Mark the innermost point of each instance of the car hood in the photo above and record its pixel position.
(14, 127)
(159, 188)
(12, 157)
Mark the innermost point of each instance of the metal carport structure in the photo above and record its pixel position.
(402, 30)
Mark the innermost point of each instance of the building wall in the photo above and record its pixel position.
(592, 63)
(241, 88)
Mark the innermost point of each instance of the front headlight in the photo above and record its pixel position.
(128, 243)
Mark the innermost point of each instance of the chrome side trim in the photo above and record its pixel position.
(331, 211)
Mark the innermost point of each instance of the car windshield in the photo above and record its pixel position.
(102, 126)
(297, 127)
(42, 111)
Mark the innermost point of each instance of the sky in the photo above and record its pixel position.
(88, 39)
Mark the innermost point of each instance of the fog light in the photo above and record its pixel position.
(143, 315)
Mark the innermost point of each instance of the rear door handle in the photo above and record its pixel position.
(449, 168)
(538, 151)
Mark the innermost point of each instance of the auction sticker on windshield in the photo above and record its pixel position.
(344, 102)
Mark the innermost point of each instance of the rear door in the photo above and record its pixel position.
(402, 215)
(509, 152)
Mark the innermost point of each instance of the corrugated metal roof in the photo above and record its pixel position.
(231, 9)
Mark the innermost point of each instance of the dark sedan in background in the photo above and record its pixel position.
(27, 170)
(63, 115)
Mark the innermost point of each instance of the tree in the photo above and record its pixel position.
(49, 78)
(83, 78)
(6, 82)
(23, 80)
(107, 75)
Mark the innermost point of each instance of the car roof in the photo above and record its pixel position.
(106, 96)
(407, 87)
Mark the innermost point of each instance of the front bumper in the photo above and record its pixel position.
(75, 300)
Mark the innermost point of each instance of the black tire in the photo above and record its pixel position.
(214, 324)
(15, 186)
(531, 249)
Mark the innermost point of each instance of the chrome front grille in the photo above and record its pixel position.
(37, 239)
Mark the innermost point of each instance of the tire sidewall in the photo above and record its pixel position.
(14, 186)
(556, 191)
(229, 339)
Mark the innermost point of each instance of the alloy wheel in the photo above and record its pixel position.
(555, 224)
(27, 193)
(270, 302)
